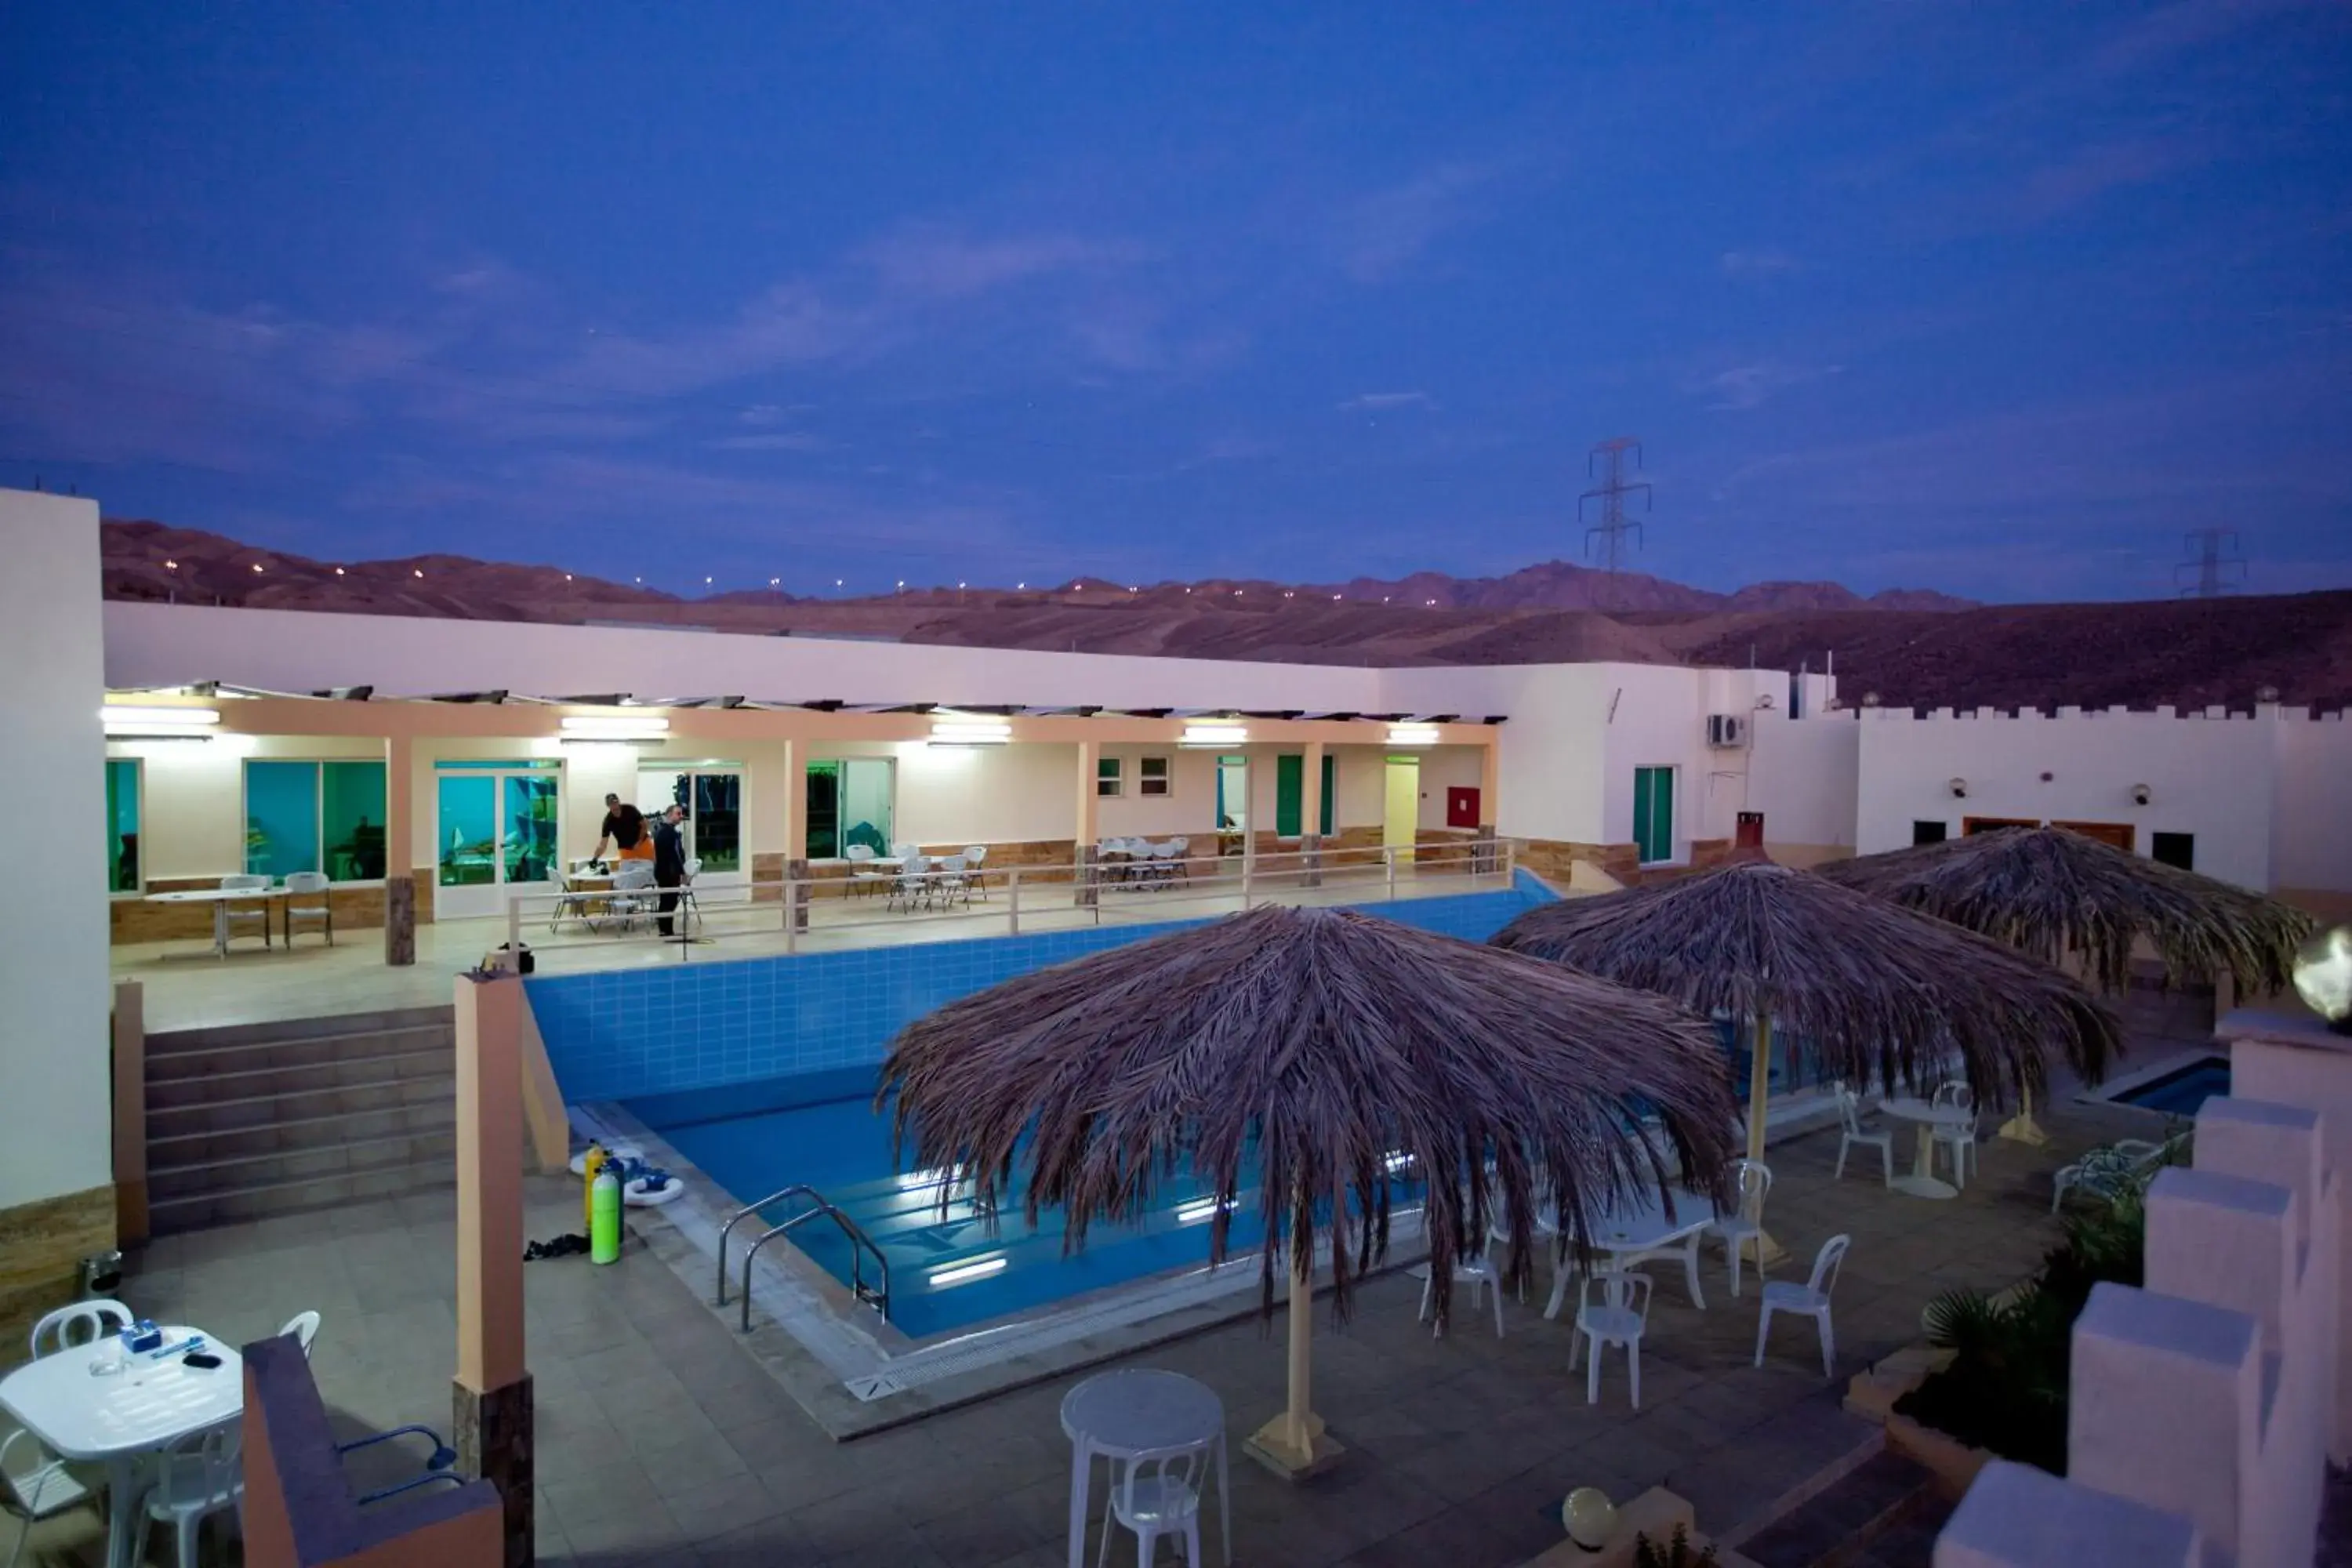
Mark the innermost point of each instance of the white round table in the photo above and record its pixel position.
(1119, 1414)
(117, 1419)
(1922, 1181)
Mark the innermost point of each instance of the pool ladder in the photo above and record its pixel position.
(860, 1246)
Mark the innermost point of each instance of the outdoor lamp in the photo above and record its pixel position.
(2323, 977)
(1960, 788)
(2141, 794)
(1589, 1517)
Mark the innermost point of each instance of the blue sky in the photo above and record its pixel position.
(1997, 299)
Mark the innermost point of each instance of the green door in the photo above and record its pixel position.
(1331, 791)
(1653, 813)
(1289, 787)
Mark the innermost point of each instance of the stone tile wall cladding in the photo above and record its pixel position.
(833, 876)
(1550, 859)
(617, 1034)
(40, 1265)
(358, 906)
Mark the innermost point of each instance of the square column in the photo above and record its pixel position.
(1310, 817)
(1087, 830)
(399, 851)
(796, 864)
(491, 1402)
(1484, 858)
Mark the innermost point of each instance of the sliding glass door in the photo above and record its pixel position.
(497, 828)
(712, 794)
(849, 802)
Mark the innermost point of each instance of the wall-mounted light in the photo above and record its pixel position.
(1214, 736)
(2142, 794)
(1959, 788)
(1412, 734)
(960, 731)
(604, 728)
(133, 724)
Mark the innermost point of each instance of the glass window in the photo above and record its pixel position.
(2174, 850)
(1106, 775)
(718, 816)
(1929, 832)
(350, 797)
(282, 818)
(825, 811)
(527, 846)
(1152, 775)
(468, 817)
(123, 825)
(865, 802)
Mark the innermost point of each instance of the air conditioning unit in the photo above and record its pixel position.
(1727, 732)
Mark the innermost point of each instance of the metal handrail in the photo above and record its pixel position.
(860, 1243)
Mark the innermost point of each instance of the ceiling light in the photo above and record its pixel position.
(1213, 735)
(961, 1273)
(1198, 1209)
(962, 731)
(1412, 734)
(158, 724)
(603, 727)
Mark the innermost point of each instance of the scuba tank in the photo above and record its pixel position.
(604, 1216)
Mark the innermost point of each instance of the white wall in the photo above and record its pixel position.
(1553, 762)
(1803, 776)
(192, 795)
(2311, 832)
(1189, 809)
(2215, 778)
(56, 1116)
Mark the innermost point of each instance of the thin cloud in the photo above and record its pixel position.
(1383, 234)
(771, 441)
(1384, 402)
(1752, 385)
(1764, 263)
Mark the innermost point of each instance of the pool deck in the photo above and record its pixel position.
(187, 987)
(660, 1443)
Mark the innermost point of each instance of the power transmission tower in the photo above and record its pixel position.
(1609, 532)
(2213, 553)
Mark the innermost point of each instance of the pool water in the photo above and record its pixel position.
(820, 1129)
(2184, 1092)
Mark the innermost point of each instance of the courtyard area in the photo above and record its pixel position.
(660, 1441)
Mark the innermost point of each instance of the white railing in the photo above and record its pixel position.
(1112, 889)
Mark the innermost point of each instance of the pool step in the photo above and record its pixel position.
(267, 1118)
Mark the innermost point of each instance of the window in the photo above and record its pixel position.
(1930, 832)
(1152, 775)
(1106, 776)
(849, 802)
(1653, 813)
(2174, 850)
(123, 825)
(315, 817)
(712, 794)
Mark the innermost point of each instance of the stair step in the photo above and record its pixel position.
(308, 1050)
(174, 1042)
(220, 1177)
(266, 1199)
(1837, 1526)
(217, 1147)
(201, 1116)
(212, 1089)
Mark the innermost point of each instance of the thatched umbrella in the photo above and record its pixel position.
(1296, 1053)
(2056, 893)
(1884, 993)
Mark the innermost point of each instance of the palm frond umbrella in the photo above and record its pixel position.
(1885, 995)
(2055, 893)
(1321, 1058)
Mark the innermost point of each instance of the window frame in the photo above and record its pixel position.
(138, 815)
(317, 766)
(1144, 781)
(1110, 778)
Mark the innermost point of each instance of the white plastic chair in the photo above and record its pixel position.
(949, 883)
(60, 1330)
(195, 1477)
(41, 1489)
(1615, 1320)
(1746, 1223)
(1960, 1144)
(304, 1327)
(236, 912)
(1158, 1493)
(862, 876)
(1853, 1133)
(1183, 848)
(1478, 1273)
(689, 913)
(975, 860)
(309, 884)
(1810, 1300)
(2104, 1169)
(632, 886)
(913, 881)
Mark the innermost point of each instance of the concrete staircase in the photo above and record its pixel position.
(257, 1120)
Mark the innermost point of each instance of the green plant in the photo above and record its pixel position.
(1676, 1553)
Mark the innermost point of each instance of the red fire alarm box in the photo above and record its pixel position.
(1749, 834)
(1461, 806)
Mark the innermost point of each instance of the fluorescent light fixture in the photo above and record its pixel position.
(1395, 1160)
(1214, 736)
(1198, 1210)
(131, 723)
(1412, 734)
(964, 1273)
(962, 731)
(602, 727)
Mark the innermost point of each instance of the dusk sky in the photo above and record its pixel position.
(1995, 299)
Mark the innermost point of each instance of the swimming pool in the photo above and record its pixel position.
(2181, 1092)
(947, 1271)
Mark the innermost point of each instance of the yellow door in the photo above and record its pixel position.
(1400, 820)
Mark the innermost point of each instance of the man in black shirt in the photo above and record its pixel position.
(669, 861)
(612, 821)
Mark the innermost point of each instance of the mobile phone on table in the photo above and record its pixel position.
(204, 1361)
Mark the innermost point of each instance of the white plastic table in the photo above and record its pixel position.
(120, 1418)
(1640, 1232)
(1922, 1181)
(220, 898)
(1119, 1414)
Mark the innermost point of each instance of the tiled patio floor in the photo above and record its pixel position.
(659, 1442)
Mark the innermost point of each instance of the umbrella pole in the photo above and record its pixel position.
(2022, 1128)
(1294, 1444)
(1763, 1249)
